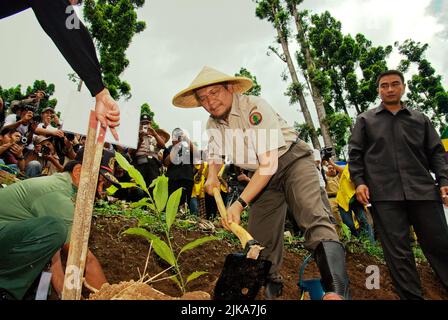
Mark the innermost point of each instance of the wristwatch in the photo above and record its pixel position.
(242, 202)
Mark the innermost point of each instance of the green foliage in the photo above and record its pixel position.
(294, 91)
(146, 109)
(256, 89)
(15, 93)
(164, 249)
(346, 233)
(113, 24)
(304, 131)
(339, 125)
(425, 89)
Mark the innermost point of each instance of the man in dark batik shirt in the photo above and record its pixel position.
(393, 151)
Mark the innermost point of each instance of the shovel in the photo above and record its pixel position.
(243, 273)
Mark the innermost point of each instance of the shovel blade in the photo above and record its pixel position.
(241, 278)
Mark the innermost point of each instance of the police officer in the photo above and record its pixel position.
(256, 138)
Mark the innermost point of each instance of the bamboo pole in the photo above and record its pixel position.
(85, 198)
(237, 230)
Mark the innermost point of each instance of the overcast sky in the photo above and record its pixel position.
(182, 36)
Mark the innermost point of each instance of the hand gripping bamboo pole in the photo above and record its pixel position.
(85, 198)
(237, 230)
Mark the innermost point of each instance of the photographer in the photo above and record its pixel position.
(236, 180)
(178, 158)
(149, 144)
(45, 127)
(22, 121)
(43, 161)
(11, 151)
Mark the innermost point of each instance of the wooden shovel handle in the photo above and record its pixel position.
(237, 230)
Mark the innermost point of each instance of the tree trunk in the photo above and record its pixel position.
(315, 92)
(295, 79)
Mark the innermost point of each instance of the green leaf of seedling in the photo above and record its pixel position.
(195, 275)
(143, 202)
(133, 173)
(126, 185)
(197, 243)
(159, 246)
(142, 233)
(164, 251)
(111, 190)
(138, 178)
(161, 192)
(122, 162)
(153, 183)
(176, 281)
(172, 207)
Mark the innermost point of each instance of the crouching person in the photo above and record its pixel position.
(36, 216)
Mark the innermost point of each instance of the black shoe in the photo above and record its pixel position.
(273, 289)
(330, 259)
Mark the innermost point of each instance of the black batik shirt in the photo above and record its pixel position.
(394, 154)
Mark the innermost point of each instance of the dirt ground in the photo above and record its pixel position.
(124, 256)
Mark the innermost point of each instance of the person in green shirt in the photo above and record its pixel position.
(36, 217)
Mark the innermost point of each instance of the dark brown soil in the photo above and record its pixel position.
(124, 256)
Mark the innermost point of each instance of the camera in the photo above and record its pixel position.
(231, 173)
(326, 153)
(23, 141)
(45, 151)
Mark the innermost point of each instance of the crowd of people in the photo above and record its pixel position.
(396, 175)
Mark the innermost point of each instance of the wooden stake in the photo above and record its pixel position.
(77, 254)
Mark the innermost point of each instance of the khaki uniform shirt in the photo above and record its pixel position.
(253, 128)
(148, 147)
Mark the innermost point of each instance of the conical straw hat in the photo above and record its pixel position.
(209, 76)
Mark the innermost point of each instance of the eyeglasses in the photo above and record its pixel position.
(213, 93)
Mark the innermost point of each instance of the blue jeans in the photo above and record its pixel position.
(33, 169)
(194, 206)
(364, 226)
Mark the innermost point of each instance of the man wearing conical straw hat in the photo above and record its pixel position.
(256, 138)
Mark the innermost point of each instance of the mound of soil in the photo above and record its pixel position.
(123, 258)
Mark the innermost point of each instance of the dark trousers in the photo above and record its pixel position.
(211, 207)
(187, 189)
(393, 220)
(25, 248)
(75, 44)
(149, 170)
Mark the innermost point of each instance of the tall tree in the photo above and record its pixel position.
(352, 64)
(113, 24)
(345, 72)
(275, 13)
(309, 69)
(256, 89)
(425, 89)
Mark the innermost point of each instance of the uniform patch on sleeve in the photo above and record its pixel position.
(255, 118)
